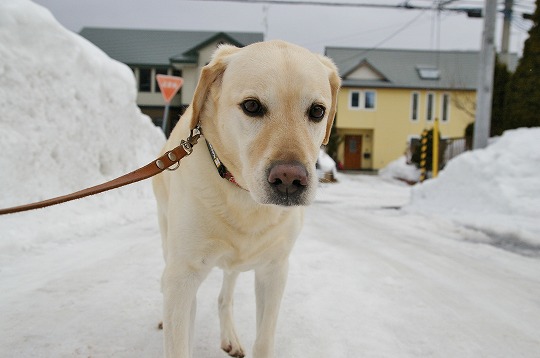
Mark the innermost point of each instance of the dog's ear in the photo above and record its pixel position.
(210, 74)
(335, 84)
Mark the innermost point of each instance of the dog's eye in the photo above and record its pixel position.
(316, 112)
(252, 107)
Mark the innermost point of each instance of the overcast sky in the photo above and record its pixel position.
(314, 27)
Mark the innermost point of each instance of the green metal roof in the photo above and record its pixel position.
(401, 68)
(158, 47)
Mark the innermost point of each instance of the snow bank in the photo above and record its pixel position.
(68, 114)
(399, 169)
(325, 165)
(68, 120)
(495, 190)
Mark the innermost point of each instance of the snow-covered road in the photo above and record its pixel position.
(366, 280)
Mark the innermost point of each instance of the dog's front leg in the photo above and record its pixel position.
(269, 286)
(180, 286)
(229, 338)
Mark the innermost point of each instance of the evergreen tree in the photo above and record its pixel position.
(333, 143)
(501, 78)
(522, 107)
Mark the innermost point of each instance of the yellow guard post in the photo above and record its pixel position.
(435, 145)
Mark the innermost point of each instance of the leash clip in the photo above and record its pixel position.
(190, 141)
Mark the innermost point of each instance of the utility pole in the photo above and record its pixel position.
(505, 52)
(484, 89)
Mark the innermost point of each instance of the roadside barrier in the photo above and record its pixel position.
(423, 155)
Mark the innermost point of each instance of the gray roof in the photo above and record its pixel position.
(158, 47)
(400, 68)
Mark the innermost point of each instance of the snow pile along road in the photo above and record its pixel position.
(399, 169)
(68, 114)
(68, 120)
(495, 190)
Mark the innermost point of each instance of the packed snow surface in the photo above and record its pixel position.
(367, 279)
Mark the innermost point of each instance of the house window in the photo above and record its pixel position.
(445, 104)
(415, 97)
(354, 99)
(369, 99)
(353, 146)
(428, 72)
(145, 79)
(430, 100)
(362, 99)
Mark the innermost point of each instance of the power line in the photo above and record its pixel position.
(403, 5)
(353, 35)
(380, 43)
(395, 33)
(470, 11)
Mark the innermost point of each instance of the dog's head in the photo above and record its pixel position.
(267, 108)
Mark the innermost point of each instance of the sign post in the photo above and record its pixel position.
(169, 86)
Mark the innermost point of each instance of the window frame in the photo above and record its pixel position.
(364, 102)
(430, 106)
(414, 114)
(351, 94)
(429, 73)
(445, 108)
(140, 71)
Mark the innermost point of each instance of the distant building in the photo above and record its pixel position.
(152, 52)
(389, 96)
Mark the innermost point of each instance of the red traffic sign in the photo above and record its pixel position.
(169, 86)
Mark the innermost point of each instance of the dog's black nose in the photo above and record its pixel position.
(288, 178)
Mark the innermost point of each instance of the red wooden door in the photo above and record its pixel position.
(353, 152)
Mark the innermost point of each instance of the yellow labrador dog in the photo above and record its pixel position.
(264, 110)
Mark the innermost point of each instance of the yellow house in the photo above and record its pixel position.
(389, 96)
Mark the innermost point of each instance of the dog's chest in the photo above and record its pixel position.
(253, 240)
(246, 253)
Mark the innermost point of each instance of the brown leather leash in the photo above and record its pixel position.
(166, 161)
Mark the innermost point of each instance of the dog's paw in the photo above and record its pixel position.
(234, 350)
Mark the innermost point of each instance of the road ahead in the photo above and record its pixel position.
(366, 280)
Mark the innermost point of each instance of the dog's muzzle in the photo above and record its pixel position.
(288, 183)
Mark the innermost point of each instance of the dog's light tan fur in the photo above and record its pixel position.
(206, 221)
